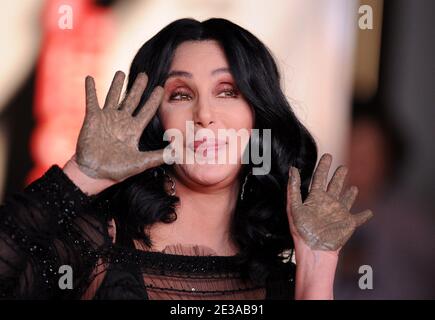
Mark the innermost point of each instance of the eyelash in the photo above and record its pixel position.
(176, 93)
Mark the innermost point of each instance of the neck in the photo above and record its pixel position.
(203, 218)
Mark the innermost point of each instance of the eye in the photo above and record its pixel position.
(180, 95)
(228, 92)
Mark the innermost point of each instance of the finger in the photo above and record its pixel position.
(321, 173)
(112, 98)
(91, 96)
(294, 188)
(150, 107)
(133, 97)
(336, 184)
(349, 197)
(362, 217)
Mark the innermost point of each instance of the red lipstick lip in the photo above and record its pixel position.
(216, 144)
(196, 144)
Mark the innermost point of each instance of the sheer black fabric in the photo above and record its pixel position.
(52, 223)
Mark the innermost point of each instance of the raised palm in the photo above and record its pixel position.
(323, 221)
(107, 147)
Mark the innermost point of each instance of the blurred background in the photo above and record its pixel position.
(359, 74)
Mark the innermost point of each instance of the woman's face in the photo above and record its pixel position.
(201, 92)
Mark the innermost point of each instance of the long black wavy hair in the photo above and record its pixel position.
(259, 225)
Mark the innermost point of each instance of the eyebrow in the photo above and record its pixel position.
(220, 70)
(185, 74)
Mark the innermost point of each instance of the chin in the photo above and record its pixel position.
(209, 174)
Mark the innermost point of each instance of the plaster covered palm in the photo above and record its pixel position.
(323, 221)
(107, 147)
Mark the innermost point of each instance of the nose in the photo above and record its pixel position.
(203, 115)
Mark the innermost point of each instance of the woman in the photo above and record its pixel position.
(130, 226)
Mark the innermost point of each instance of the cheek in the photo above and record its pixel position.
(241, 116)
(172, 118)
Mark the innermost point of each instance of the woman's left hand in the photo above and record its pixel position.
(320, 226)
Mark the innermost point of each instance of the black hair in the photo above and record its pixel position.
(260, 224)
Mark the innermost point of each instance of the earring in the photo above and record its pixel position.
(172, 187)
(171, 181)
(243, 186)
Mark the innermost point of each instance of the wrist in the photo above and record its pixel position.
(315, 274)
(88, 185)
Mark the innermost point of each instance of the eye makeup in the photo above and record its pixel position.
(179, 90)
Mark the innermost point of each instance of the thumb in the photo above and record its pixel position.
(138, 162)
(150, 159)
(362, 217)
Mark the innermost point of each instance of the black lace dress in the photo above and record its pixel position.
(53, 224)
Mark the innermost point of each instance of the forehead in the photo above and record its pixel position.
(199, 55)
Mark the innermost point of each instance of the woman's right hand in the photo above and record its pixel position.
(107, 147)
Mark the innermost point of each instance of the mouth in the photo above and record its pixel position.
(207, 144)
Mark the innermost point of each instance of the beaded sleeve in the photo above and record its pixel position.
(48, 229)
